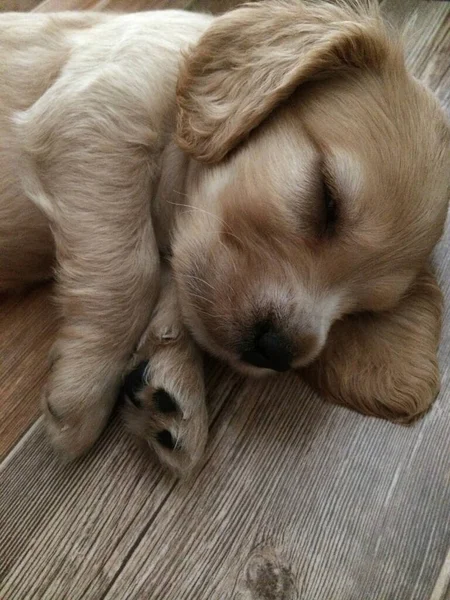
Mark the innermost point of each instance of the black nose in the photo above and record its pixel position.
(268, 349)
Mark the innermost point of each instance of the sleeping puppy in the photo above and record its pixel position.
(268, 185)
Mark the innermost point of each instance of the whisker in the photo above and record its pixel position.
(202, 281)
(202, 210)
(200, 297)
(233, 262)
(206, 212)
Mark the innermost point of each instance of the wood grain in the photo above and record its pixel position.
(27, 331)
(111, 5)
(18, 5)
(114, 5)
(297, 500)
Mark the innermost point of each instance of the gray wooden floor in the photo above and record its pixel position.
(298, 500)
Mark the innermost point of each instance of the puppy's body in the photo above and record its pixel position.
(68, 81)
(309, 181)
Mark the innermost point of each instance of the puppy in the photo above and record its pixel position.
(268, 185)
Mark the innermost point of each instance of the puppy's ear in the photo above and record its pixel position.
(253, 58)
(385, 364)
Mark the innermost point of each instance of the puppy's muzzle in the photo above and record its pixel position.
(267, 348)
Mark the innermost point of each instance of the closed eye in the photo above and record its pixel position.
(330, 206)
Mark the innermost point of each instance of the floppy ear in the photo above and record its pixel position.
(254, 57)
(385, 364)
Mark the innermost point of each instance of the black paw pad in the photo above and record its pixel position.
(134, 382)
(164, 402)
(165, 439)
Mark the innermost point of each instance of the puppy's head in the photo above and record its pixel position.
(321, 181)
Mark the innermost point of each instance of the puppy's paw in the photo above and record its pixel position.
(78, 398)
(71, 428)
(65, 435)
(168, 413)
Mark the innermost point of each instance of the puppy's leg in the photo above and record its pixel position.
(165, 395)
(108, 283)
(107, 289)
(89, 161)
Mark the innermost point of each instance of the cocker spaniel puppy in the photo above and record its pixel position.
(268, 184)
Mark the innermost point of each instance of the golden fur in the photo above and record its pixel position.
(274, 101)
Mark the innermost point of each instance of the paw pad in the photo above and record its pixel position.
(170, 418)
(165, 439)
(134, 382)
(164, 402)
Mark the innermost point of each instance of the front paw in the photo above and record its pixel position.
(168, 411)
(71, 426)
(78, 398)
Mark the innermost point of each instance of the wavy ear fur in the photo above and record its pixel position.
(253, 58)
(385, 364)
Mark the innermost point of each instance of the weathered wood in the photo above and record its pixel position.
(27, 330)
(112, 5)
(18, 5)
(297, 500)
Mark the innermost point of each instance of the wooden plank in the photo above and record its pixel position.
(427, 41)
(77, 515)
(27, 331)
(349, 507)
(214, 6)
(111, 5)
(18, 5)
(429, 55)
(442, 588)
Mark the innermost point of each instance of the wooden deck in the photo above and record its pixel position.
(298, 500)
